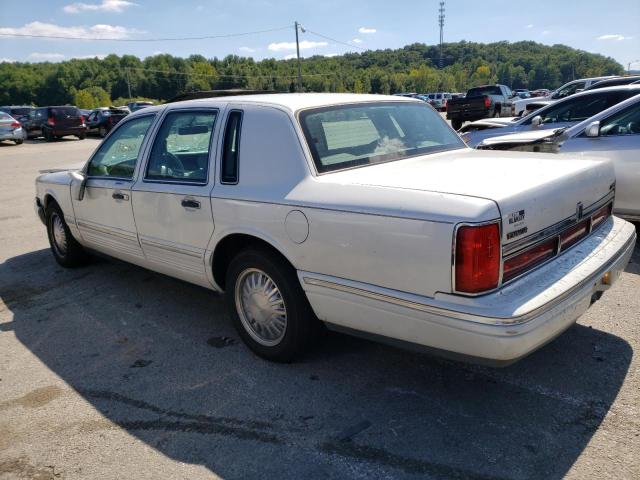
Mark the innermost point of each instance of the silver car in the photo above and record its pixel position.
(564, 113)
(613, 133)
(11, 129)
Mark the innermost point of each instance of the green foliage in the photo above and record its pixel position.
(92, 97)
(411, 68)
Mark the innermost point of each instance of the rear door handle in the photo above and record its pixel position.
(188, 203)
(120, 196)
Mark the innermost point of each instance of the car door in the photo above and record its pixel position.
(171, 199)
(91, 121)
(104, 216)
(619, 140)
(36, 119)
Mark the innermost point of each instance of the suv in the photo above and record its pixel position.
(56, 122)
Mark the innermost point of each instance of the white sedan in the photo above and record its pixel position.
(366, 213)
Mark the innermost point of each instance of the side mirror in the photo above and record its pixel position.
(78, 185)
(592, 130)
(536, 121)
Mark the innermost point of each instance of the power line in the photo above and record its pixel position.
(167, 39)
(333, 39)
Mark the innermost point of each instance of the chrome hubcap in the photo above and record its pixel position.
(261, 307)
(58, 234)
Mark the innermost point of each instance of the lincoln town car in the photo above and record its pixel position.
(365, 214)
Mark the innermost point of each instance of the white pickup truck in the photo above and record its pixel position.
(366, 213)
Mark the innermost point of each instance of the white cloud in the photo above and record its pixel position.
(304, 45)
(7, 60)
(331, 54)
(545, 33)
(46, 57)
(290, 56)
(366, 30)
(356, 40)
(616, 37)
(99, 56)
(247, 49)
(53, 30)
(530, 25)
(111, 6)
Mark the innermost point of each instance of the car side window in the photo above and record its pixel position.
(118, 155)
(625, 122)
(231, 148)
(181, 148)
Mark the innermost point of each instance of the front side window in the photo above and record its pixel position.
(569, 89)
(580, 108)
(625, 122)
(346, 136)
(180, 151)
(118, 155)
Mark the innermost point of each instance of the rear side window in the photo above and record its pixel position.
(231, 148)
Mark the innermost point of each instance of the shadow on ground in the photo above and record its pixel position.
(158, 358)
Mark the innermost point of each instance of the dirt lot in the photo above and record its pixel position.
(111, 371)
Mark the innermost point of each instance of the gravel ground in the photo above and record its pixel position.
(111, 371)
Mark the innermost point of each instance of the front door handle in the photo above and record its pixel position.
(120, 196)
(189, 203)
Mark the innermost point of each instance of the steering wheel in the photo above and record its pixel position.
(174, 166)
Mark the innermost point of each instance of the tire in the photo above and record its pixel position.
(496, 113)
(282, 328)
(82, 137)
(102, 131)
(48, 136)
(66, 249)
(456, 124)
(19, 142)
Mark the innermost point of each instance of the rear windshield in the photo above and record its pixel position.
(5, 117)
(347, 136)
(21, 111)
(65, 112)
(491, 90)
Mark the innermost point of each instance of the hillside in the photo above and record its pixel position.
(90, 82)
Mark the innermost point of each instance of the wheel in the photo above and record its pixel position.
(269, 309)
(496, 113)
(19, 142)
(102, 131)
(66, 250)
(48, 136)
(82, 137)
(456, 124)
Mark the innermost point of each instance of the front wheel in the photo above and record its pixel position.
(456, 124)
(269, 308)
(66, 249)
(19, 142)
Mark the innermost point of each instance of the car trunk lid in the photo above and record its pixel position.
(66, 117)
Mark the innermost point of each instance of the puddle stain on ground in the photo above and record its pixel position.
(21, 468)
(34, 399)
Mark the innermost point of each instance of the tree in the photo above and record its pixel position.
(92, 97)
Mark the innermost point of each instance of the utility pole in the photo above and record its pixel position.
(441, 23)
(126, 70)
(629, 66)
(296, 26)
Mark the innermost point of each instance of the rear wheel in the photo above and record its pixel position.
(66, 249)
(48, 136)
(102, 131)
(82, 136)
(496, 113)
(456, 124)
(269, 308)
(18, 142)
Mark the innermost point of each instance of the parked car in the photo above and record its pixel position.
(135, 106)
(480, 102)
(17, 111)
(11, 129)
(564, 113)
(365, 212)
(56, 122)
(612, 82)
(565, 90)
(102, 120)
(540, 92)
(439, 100)
(613, 134)
(522, 92)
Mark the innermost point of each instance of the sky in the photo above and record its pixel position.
(612, 29)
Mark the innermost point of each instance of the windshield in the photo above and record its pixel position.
(346, 136)
(60, 112)
(490, 90)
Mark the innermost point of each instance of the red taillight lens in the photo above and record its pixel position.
(487, 102)
(600, 216)
(51, 121)
(528, 259)
(574, 234)
(16, 125)
(82, 118)
(477, 267)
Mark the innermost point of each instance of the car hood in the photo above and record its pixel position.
(521, 138)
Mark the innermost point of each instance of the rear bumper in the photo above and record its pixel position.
(498, 328)
(62, 132)
(468, 115)
(39, 208)
(17, 134)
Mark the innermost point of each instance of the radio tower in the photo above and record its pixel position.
(441, 23)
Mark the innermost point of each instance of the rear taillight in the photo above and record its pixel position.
(81, 118)
(16, 125)
(573, 235)
(487, 102)
(477, 258)
(600, 216)
(528, 259)
(51, 121)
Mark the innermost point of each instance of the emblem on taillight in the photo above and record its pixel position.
(579, 211)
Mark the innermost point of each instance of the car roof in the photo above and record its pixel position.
(292, 102)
